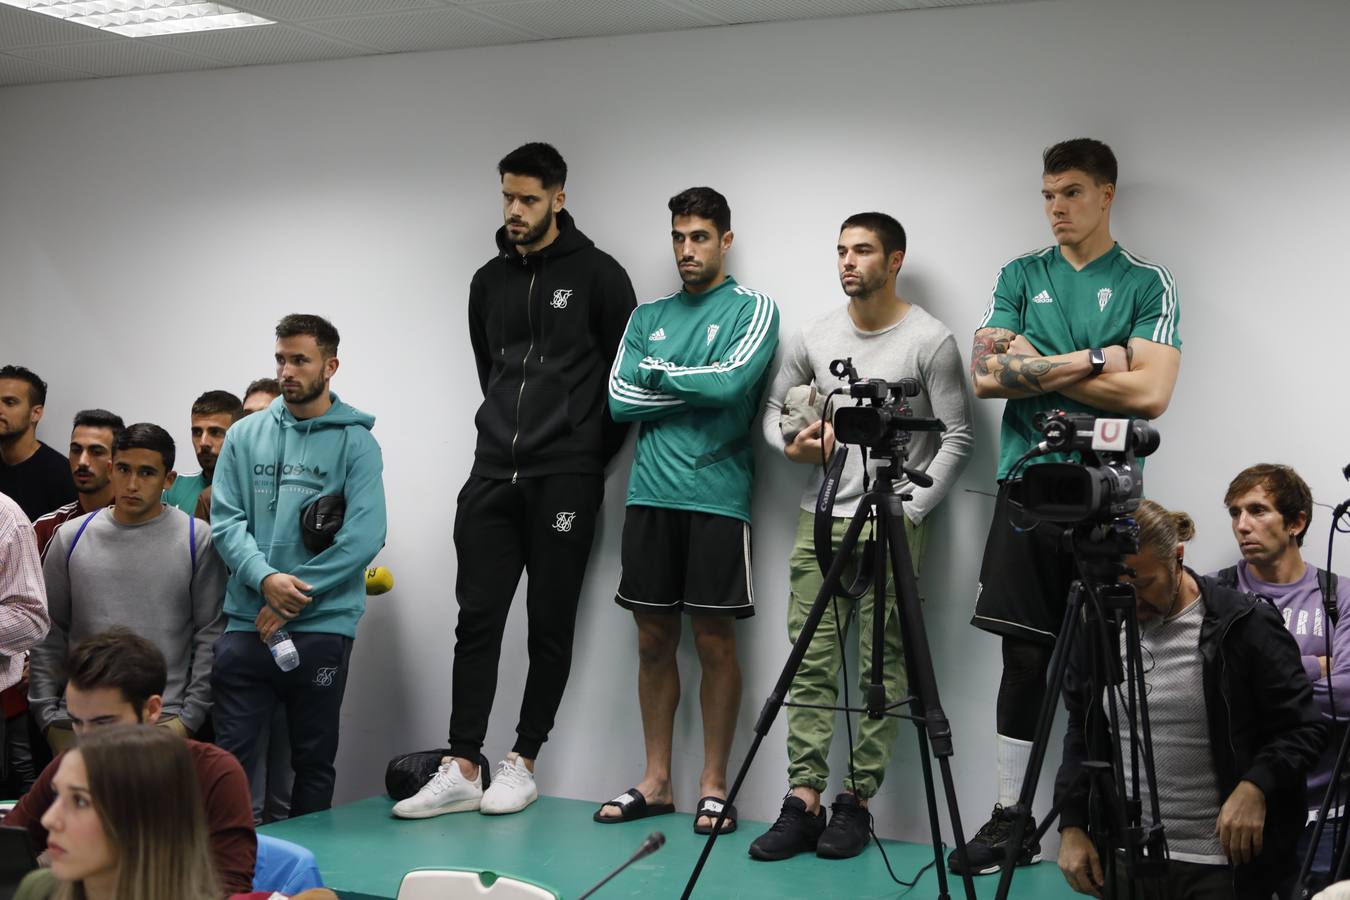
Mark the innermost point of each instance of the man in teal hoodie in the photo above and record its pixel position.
(308, 444)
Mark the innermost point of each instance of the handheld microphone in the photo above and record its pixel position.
(379, 580)
(654, 842)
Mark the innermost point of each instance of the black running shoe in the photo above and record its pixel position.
(796, 831)
(987, 849)
(849, 829)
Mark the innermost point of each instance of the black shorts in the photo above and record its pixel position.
(1025, 576)
(674, 559)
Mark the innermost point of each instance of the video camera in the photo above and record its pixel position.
(885, 420)
(1108, 484)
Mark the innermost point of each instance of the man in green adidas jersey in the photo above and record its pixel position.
(1084, 326)
(690, 369)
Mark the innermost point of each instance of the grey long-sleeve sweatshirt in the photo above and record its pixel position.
(142, 577)
(918, 346)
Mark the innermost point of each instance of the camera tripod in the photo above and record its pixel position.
(882, 505)
(1099, 611)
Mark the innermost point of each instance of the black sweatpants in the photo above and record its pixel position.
(246, 686)
(544, 527)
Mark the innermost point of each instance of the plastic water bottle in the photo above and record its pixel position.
(283, 650)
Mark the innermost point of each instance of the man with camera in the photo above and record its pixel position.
(1271, 507)
(690, 369)
(1234, 731)
(887, 338)
(290, 567)
(1080, 326)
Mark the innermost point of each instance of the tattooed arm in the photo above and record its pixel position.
(1143, 389)
(1004, 364)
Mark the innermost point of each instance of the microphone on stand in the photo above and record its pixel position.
(654, 842)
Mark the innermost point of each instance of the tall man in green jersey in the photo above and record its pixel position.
(1084, 326)
(690, 369)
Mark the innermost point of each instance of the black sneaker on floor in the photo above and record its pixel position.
(849, 830)
(796, 831)
(987, 849)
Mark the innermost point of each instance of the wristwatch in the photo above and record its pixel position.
(1097, 356)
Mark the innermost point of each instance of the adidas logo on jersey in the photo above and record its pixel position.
(657, 335)
(1043, 297)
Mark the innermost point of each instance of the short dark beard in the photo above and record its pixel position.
(537, 231)
(311, 395)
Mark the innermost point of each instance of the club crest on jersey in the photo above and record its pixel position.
(1103, 298)
(560, 297)
(712, 332)
(563, 522)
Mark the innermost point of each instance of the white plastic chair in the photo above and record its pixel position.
(470, 884)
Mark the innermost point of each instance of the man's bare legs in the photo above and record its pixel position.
(720, 699)
(659, 696)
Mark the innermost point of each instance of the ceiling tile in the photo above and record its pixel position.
(260, 45)
(583, 18)
(441, 29)
(17, 70)
(301, 10)
(742, 11)
(124, 56)
(20, 28)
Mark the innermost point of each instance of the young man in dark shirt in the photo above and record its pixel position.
(34, 475)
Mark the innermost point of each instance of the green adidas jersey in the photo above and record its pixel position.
(1115, 297)
(184, 491)
(691, 369)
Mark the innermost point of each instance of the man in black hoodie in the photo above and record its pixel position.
(546, 315)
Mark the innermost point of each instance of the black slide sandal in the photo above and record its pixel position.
(632, 806)
(711, 807)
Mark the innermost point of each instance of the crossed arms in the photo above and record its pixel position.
(1137, 379)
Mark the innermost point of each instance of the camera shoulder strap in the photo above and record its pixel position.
(824, 523)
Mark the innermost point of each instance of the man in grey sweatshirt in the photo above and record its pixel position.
(888, 338)
(141, 564)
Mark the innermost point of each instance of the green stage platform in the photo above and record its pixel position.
(363, 853)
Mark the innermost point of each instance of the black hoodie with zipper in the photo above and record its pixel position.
(545, 328)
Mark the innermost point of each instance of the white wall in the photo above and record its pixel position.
(153, 229)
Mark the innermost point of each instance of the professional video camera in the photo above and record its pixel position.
(885, 420)
(1108, 484)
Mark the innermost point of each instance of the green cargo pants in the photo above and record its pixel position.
(817, 682)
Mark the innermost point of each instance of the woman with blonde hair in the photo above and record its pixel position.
(127, 823)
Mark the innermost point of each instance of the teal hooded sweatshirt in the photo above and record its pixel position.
(271, 467)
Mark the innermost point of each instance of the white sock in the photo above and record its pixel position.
(1013, 756)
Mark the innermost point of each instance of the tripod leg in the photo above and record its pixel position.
(1059, 660)
(781, 687)
(1333, 788)
(876, 687)
(930, 720)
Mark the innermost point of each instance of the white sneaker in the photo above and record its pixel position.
(448, 791)
(512, 788)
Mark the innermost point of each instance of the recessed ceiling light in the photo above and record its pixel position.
(143, 18)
